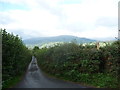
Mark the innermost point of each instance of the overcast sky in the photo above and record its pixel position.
(95, 19)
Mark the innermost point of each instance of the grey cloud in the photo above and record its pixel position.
(5, 19)
(19, 32)
(56, 11)
(25, 34)
(107, 21)
(119, 15)
(77, 27)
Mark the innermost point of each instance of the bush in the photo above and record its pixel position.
(15, 57)
(89, 66)
(111, 57)
(81, 63)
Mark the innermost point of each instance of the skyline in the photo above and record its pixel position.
(95, 19)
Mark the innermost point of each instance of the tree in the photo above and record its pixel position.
(15, 56)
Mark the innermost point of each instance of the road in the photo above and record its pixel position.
(34, 78)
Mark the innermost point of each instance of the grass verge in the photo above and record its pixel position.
(98, 80)
(12, 82)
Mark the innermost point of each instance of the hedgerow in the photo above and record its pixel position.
(74, 62)
(15, 58)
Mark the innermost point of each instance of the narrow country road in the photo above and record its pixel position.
(34, 78)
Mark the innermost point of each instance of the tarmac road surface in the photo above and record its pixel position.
(34, 78)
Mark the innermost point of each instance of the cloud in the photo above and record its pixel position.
(25, 35)
(5, 19)
(84, 18)
(107, 21)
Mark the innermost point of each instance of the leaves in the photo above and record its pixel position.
(15, 56)
(83, 63)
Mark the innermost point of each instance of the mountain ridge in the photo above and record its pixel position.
(61, 38)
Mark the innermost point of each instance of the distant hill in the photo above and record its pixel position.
(62, 38)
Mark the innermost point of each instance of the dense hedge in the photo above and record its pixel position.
(71, 61)
(15, 57)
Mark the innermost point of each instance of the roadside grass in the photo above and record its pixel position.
(103, 81)
(83, 64)
(56, 76)
(12, 82)
(98, 80)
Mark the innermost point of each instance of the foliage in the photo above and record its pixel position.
(79, 63)
(35, 49)
(15, 56)
(89, 66)
(112, 55)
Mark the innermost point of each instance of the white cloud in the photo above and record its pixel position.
(107, 21)
(35, 20)
(100, 31)
(52, 18)
(90, 13)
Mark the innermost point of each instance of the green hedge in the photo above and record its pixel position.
(70, 61)
(15, 57)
